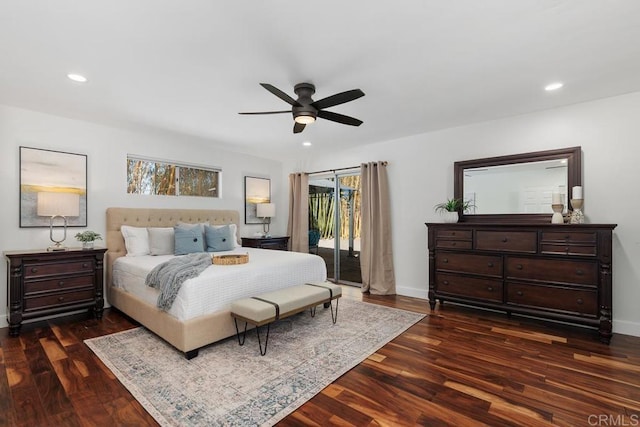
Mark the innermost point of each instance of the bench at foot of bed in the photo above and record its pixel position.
(271, 306)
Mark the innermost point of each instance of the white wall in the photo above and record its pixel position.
(421, 175)
(106, 149)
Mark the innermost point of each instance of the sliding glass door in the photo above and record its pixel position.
(334, 222)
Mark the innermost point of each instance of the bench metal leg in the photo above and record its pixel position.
(244, 334)
(266, 341)
(335, 318)
(312, 310)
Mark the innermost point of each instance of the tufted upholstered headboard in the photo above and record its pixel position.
(143, 217)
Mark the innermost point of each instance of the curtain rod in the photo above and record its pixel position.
(340, 169)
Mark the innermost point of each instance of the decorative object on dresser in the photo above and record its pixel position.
(450, 209)
(577, 201)
(88, 238)
(278, 243)
(542, 270)
(58, 205)
(42, 283)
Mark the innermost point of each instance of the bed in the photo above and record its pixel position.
(189, 326)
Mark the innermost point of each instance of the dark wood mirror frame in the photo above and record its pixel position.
(574, 177)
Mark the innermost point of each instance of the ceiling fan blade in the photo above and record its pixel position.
(298, 127)
(270, 112)
(280, 94)
(338, 98)
(340, 118)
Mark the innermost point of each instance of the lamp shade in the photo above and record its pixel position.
(266, 210)
(62, 204)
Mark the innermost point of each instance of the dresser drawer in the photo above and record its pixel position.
(59, 299)
(486, 265)
(48, 269)
(35, 286)
(566, 249)
(583, 301)
(569, 237)
(507, 241)
(472, 287)
(453, 234)
(453, 244)
(552, 270)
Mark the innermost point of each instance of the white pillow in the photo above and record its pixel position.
(136, 240)
(161, 240)
(234, 232)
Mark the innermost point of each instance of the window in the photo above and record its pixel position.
(149, 176)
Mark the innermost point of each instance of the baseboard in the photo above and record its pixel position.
(626, 328)
(3, 320)
(411, 292)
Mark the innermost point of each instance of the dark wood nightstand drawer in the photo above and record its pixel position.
(569, 237)
(472, 287)
(454, 234)
(35, 286)
(552, 271)
(58, 299)
(583, 301)
(486, 265)
(507, 241)
(277, 243)
(47, 269)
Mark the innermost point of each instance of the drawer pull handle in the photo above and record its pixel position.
(85, 265)
(579, 301)
(519, 266)
(445, 260)
(579, 272)
(453, 243)
(519, 293)
(445, 282)
(504, 240)
(567, 237)
(489, 264)
(60, 299)
(453, 233)
(61, 283)
(490, 288)
(34, 270)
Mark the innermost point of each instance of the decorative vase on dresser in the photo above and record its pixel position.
(549, 271)
(43, 282)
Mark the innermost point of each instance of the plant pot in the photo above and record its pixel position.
(450, 217)
(87, 245)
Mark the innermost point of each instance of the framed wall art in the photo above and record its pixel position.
(52, 183)
(256, 190)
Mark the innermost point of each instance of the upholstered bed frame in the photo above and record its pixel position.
(187, 336)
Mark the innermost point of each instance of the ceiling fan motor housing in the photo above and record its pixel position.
(304, 92)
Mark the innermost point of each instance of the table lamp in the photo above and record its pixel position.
(58, 205)
(266, 211)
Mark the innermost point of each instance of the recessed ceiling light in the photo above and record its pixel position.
(77, 78)
(553, 86)
(307, 143)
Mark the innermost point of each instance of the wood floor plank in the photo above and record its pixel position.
(457, 367)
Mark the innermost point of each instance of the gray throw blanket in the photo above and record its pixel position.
(169, 276)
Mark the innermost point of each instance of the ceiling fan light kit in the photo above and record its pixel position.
(305, 110)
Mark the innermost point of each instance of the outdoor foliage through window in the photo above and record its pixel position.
(167, 179)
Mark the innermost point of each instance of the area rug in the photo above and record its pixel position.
(229, 385)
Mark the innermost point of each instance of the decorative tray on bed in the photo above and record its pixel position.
(232, 259)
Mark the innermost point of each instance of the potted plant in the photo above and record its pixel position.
(450, 209)
(87, 238)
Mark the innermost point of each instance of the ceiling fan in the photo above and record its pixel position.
(305, 110)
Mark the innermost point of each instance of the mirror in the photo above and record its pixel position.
(519, 187)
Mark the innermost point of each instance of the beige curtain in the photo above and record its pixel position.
(376, 255)
(298, 226)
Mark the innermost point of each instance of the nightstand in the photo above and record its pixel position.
(42, 283)
(278, 243)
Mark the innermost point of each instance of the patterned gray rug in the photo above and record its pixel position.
(229, 385)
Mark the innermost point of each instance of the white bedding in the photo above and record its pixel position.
(219, 285)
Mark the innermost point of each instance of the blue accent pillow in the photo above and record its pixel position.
(219, 238)
(188, 239)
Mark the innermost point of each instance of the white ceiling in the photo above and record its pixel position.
(190, 66)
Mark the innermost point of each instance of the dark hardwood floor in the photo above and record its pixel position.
(458, 366)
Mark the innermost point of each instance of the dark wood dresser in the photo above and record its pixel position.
(42, 283)
(559, 272)
(278, 243)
